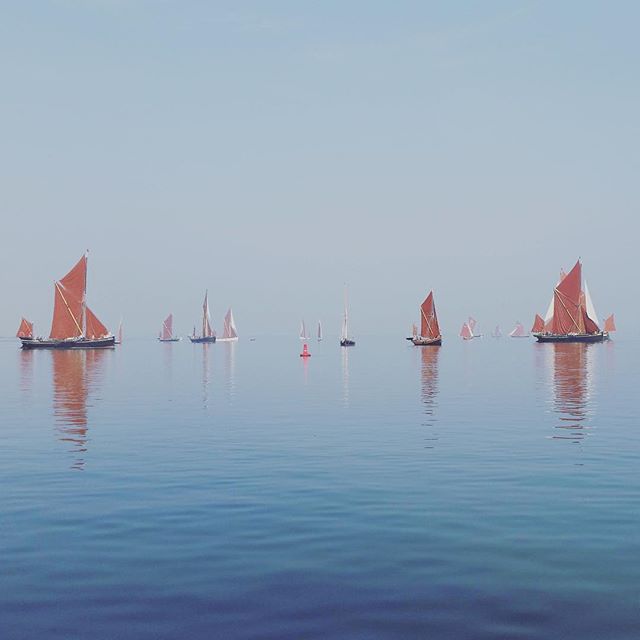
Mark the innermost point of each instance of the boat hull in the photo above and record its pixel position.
(169, 339)
(98, 343)
(347, 343)
(426, 342)
(205, 340)
(576, 337)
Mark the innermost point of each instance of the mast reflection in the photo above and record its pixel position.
(429, 387)
(206, 374)
(572, 383)
(345, 377)
(74, 374)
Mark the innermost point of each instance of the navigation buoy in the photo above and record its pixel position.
(305, 351)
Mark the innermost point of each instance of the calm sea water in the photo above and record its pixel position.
(488, 489)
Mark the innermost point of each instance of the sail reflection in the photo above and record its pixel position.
(26, 370)
(345, 377)
(230, 367)
(206, 373)
(572, 383)
(429, 386)
(75, 374)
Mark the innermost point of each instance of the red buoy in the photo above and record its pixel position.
(305, 351)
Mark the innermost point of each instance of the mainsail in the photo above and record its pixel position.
(167, 328)
(472, 324)
(207, 331)
(429, 327)
(25, 330)
(229, 332)
(303, 331)
(69, 303)
(567, 310)
(319, 331)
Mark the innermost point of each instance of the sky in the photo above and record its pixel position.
(272, 151)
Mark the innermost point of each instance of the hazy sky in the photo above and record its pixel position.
(271, 151)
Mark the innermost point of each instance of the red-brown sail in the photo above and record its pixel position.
(568, 315)
(429, 327)
(466, 332)
(167, 328)
(538, 325)
(68, 308)
(25, 330)
(610, 324)
(95, 328)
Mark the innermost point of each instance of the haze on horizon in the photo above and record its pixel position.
(271, 153)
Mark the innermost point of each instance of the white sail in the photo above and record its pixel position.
(319, 331)
(303, 331)
(230, 332)
(591, 310)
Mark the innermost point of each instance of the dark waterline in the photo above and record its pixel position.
(487, 489)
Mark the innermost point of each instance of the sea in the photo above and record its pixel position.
(483, 489)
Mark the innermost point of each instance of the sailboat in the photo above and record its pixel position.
(497, 332)
(166, 333)
(74, 325)
(345, 340)
(229, 332)
(303, 331)
(25, 330)
(319, 331)
(467, 331)
(429, 328)
(208, 335)
(571, 316)
(518, 331)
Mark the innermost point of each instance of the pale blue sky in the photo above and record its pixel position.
(272, 150)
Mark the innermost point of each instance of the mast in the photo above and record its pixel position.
(345, 322)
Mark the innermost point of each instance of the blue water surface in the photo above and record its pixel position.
(486, 489)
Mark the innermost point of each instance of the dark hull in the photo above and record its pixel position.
(579, 337)
(100, 343)
(519, 336)
(426, 342)
(169, 339)
(209, 340)
(347, 343)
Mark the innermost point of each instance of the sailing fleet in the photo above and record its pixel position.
(570, 317)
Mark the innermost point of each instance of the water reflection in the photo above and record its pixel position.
(429, 387)
(206, 374)
(26, 370)
(75, 374)
(230, 367)
(572, 384)
(345, 377)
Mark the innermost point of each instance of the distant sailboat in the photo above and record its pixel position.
(25, 330)
(166, 333)
(467, 331)
(319, 331)
(429, 327)
(303, 331)
(345, 340)
(119, 336)
(497, 332)
(74, 325)
(518, 331)
(571, 316)
(208, 334)
(305, 351)
(229, 331)
(609, 324)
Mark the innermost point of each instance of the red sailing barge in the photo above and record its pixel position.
(429, 328)
(571, 316)
(208, 335)
(74, 325)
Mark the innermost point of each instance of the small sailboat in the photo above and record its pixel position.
(74, 325)
(319, 331)
(229, 331)
(345, 340)
(518, 331)
(571, 316)
(497, 332)
(208, 334)
(305, 351)
(467, 331)
(166, 333)
(303, 331)
(429, 327)
(25, 330)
